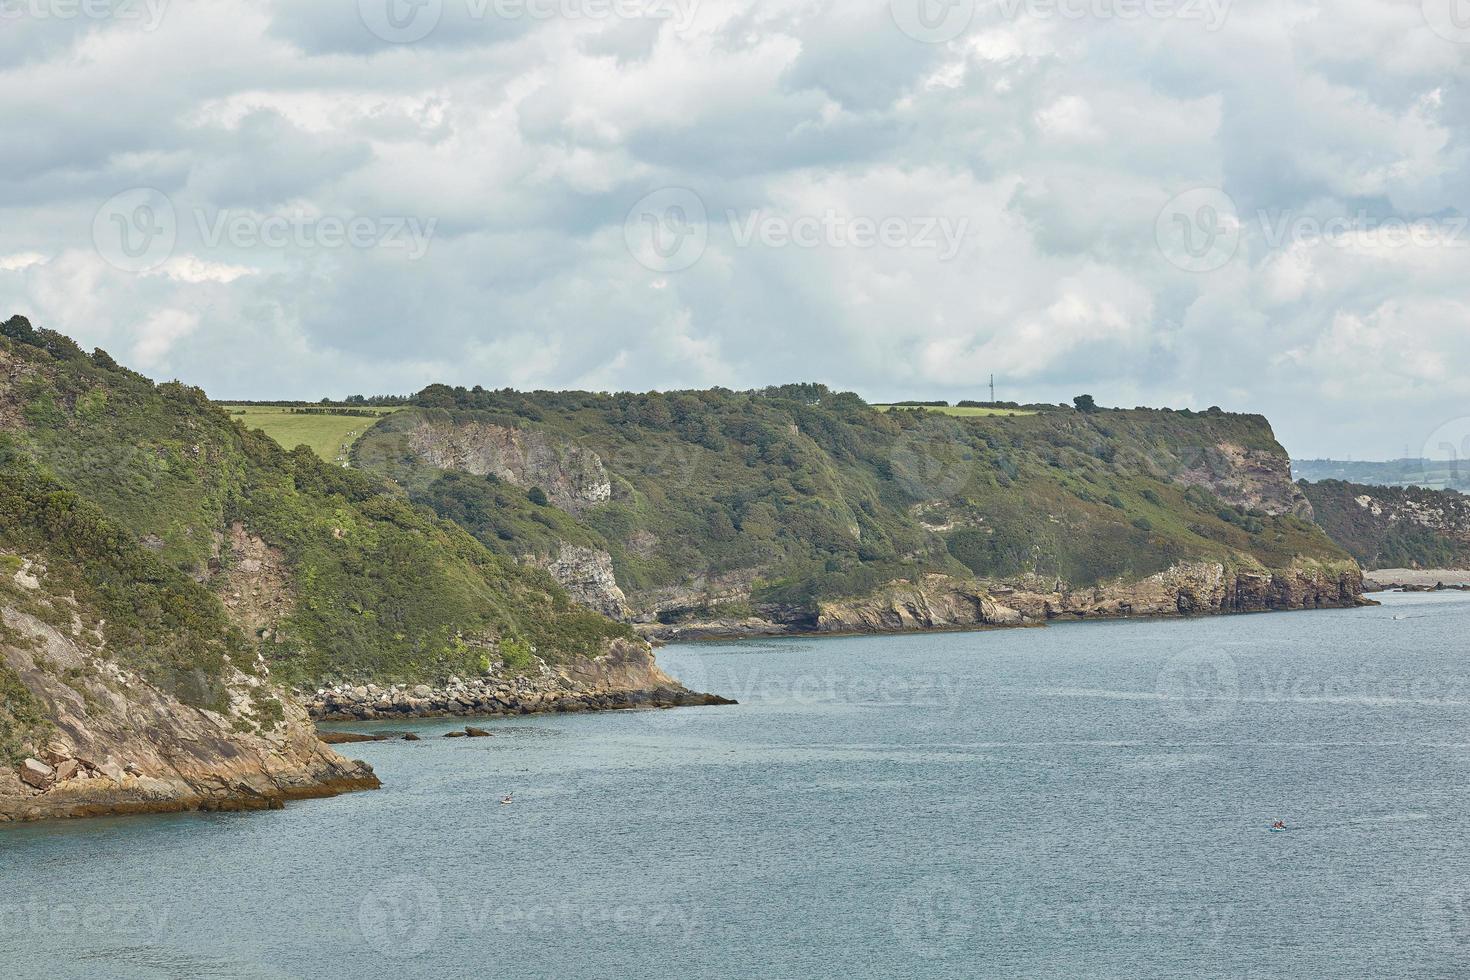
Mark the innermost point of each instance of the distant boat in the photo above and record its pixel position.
(506, 800)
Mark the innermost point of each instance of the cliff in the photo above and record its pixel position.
(123, 686)
(735, 513)
(1199, 588)
(329, 574)
(166, 576)
(1395, 527)
(102, 739)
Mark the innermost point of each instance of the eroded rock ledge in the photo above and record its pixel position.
(940, 602)
(116, 744)
(625, 677)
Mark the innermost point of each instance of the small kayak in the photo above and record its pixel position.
(506, 801)
(1277, 830)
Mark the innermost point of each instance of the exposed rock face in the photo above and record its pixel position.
(938, 602)
(117, 744)
(256, 588)
(1407, 527)
(625, 677)
(1193, 588)
(572, 476)
(1256, 479)
(700, 593)
(587, 575)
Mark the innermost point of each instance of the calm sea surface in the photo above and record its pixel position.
(1082, 800)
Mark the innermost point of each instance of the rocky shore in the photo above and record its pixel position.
(942, 602)
(1416, 579)
(489, 697)
(625, 677)
(115, 743)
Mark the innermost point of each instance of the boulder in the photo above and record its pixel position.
(476, 732)
(410, 737)
(36, 774)
(454, 735)
(67, 770)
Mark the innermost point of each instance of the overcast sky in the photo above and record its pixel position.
(1258, 204)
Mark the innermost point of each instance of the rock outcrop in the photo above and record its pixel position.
(1256, 479)
(587, 575)
(572, 476)
(1187, 589)
(943, 602)
(1395, 527)
(253, 580)
(114, 743)
(625, 677)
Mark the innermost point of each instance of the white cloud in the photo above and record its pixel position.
(1055, 141)
(20, 261)
(157, 336)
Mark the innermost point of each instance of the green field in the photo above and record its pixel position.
(968, 412)
(329, 436)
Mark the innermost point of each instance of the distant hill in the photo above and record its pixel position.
(1432, 474)
(1394, 527)
(731, 511)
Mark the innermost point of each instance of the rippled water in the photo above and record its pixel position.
(1084, 800)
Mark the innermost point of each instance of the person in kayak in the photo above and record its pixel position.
(1278, 825)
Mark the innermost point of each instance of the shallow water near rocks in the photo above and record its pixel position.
(1083, 800)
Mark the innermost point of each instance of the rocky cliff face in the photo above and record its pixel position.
(1395, 527)
(587, 575)
(572, 476)
(1256, 479)
(938, 602)
(1192, 588)
(110, 742)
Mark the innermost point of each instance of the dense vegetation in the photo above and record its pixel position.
(813, 493)
(149, 477)
(1414, 527)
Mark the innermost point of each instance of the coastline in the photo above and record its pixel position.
(625, 677)
(1416, 579)
(937, 603)
(490, 698)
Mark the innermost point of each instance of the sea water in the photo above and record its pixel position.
(1082, 800)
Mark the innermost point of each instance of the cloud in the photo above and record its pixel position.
(157, 336)
(523, 135)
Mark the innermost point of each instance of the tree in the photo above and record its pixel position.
(537, 496)
(1085, 404)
